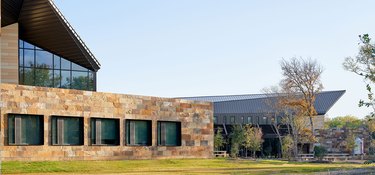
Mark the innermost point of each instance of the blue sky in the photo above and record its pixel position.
(175, 48)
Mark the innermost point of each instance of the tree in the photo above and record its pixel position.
(364, 65)
(287, 147)
(350, 143)
(320, 152)
(296, 121)
(350, 122)
(219, 140)
(236, 139)
(273, 101)
(303, 76)
(253, 139)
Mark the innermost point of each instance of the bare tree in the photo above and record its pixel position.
(273, 101)
(302, 76)
(292, 109)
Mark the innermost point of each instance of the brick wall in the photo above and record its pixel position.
(196, 123)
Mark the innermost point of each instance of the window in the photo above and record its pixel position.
(249, 120)
(138, 132)
(25, 129)
(105, 131)
(67, 130)
(262, 120)
(225, 119)
(169, 133)
(232, 119)
(38, 67)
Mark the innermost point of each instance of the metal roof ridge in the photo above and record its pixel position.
(254, 94)
(74, 32)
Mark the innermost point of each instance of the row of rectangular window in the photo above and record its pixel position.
(29, 130)
(57, 78)
(245, 120)
(44, 59)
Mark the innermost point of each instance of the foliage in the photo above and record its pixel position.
(219, 140)
(350, 122)
(287, 147)
(350, 143)
(236, 139)
(302, 76)
(253, 138)
(320, 152)
(364, 65)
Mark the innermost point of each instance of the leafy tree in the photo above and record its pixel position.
(302, 76)
(350, 122)
(253, 139)
(219, 140)
(236, 139)
(350, 143)
(287, 146)
(364, 65)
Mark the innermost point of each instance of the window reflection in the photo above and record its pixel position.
(42, 68)
(29, 58)
(43, 59)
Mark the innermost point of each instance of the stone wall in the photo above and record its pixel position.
(196, 123)
(334, 139)
(9, 54)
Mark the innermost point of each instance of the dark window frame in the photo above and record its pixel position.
(159, 132)
(81, 129)
(41, 131)
(117, 131)
(128, 128)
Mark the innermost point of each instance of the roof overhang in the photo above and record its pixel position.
(42, 24)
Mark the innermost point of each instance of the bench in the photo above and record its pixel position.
(328, 157)
(220, 154)
(306, 157)
(336, 156)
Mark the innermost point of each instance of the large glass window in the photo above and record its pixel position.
(25, 129)
(38, 67)
(67, 130)
(105, 131)
(138, 132)
(169, 133)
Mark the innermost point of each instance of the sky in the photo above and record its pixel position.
(175, 48)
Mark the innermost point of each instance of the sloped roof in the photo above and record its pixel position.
(260, 103)
(42, 24)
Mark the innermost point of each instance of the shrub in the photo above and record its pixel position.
(320, 152)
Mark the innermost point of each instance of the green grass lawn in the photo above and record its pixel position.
(174, 166)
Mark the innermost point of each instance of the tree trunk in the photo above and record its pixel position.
(254, 154)
(312, 131)
(246, 152)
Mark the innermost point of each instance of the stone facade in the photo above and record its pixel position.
(196, 123)
(334, 139)
(9, 54)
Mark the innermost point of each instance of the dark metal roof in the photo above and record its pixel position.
(261, 103)
(42, 24)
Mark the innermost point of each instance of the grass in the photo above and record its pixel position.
(173, 166)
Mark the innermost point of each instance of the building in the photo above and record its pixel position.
(50, 110)
(258, 110)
